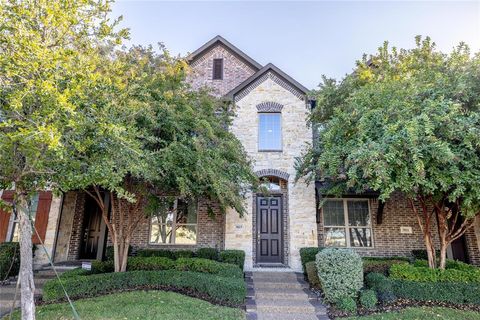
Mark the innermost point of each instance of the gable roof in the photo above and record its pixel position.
(283, 77)
(220, 40)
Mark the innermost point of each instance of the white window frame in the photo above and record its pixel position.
(346, 226)
(258, 132)
(174, 226)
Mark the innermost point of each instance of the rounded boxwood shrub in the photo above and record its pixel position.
(308, 254)
(368, 299)
(312, 274)
(340, 272)
(381, 285)
(347, 304)
(207, 253)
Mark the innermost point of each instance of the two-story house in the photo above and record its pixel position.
(271, 122)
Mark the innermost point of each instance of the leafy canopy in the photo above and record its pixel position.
(406, 120)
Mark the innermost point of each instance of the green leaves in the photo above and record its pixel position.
(405, 120)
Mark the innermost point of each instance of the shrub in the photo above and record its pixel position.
(183, 254)
(102, 266)
(380, 265)
(209, 266)
(312, 274)
(155, 253)
(340, 272)
(368, 299)
(308, 254)
(410, 272)
(229, 291)
(74, 272)
(233, 256)
(422, 254)
(347, 304)
(381, 285)
(109, 252)
(9, 259)
(207, 253)
(150, 263)
(438, 291)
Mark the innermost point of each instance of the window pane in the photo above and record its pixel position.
(360, 237)
(269, 131)
(335, 237)
(186, 234)
(186, 212)
(160, 234)
(358, 213)
(333, 214)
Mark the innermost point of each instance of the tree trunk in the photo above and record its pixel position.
(432, 262)
(26, 259)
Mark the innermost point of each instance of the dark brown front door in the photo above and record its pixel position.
(92, 230)
(269, 229)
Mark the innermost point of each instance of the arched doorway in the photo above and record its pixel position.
(270, 221)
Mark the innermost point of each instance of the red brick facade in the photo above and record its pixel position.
(387, 239)
(235, 71)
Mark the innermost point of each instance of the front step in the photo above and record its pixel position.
(289, 316)
(279, 285)
(284, 306)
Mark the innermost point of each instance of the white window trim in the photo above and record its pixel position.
(258, 133)
(174, 225)
(346, 227)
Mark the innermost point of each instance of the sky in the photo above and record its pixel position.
(304, 39)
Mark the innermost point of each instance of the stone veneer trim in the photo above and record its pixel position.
(269, 106)
(273, 172)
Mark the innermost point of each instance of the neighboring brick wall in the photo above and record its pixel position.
(76, 235)
(235, 71)
(387, 239)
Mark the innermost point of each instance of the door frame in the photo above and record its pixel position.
(283, 228)
(102, 241)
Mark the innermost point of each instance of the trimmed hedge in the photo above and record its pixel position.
(230, 291)
(150, 263)
(171, 254)
(438, 291)
(381, 285)
(207, 253)
(102, 266)
(109, 252)
(347, 304)
(381, 265)
(312, 274)
(404, 271)
(308, 254)
(209, 266)
(422, 254)
(9, 259)
(368, 299)
(340, 272)
(233, 256)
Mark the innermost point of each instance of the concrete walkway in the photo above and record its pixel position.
(7, 291)
(281, 296)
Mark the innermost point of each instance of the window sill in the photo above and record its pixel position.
(171, 245)
(277, 151)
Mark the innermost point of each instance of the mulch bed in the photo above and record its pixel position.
(396, 305)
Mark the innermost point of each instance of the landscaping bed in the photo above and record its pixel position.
(139, 305)
(416, 313)
(389, 284)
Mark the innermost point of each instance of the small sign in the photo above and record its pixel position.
(406, 230)
(87, 265)
(239, 226)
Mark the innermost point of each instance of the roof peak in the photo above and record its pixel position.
(219, 39)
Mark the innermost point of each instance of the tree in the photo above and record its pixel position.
(408, 121)
(49, 52)
(155, 139)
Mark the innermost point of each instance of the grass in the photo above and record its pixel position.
(422, 313)
(142, 305)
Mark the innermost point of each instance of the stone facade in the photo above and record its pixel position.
(65, 227)
(235, 71)
(301, 226)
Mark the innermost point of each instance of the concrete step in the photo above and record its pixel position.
(272, 293)
(289, 316)
(284, 306)
(278, 280)
(279, 285)
(276, 275)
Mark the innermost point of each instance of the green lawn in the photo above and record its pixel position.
(423, 313)
(140, 305)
